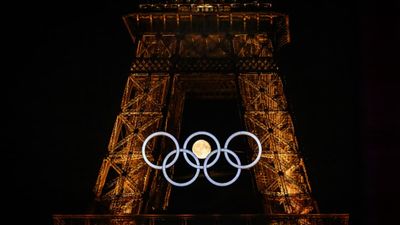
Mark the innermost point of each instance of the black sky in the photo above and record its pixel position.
(70, 60)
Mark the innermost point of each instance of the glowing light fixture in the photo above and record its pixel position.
(201, 148)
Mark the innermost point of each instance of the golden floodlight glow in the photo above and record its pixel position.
(201, 148)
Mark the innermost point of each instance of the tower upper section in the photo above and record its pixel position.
(225, 35)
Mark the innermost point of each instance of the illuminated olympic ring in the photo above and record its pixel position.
(197, 165)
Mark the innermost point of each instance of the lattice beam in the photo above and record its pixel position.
(280, 174)
(196, 53)
(124, 176)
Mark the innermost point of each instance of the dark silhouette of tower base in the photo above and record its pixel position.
(203, 51)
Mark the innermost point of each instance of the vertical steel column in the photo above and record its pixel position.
(280, 175)
(124, 176)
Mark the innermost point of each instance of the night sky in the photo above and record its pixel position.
(69, 60)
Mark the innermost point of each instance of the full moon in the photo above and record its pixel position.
(201, 148)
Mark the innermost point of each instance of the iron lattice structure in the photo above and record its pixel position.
(214, 219)
(204, 51)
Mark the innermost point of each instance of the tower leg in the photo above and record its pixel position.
(280, 175)
(124, 176)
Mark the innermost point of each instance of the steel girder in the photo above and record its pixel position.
(280, 175)
(124, 176)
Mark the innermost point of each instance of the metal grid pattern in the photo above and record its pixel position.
(124, 176)
(280, 175)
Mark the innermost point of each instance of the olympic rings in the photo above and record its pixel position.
(258, 144)
(159, 133)
(226, 183)
(164, 169)
(165, 165)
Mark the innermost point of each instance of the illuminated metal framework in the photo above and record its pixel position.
(243, 219)
(209, 51)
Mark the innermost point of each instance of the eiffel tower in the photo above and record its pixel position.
(210, 50)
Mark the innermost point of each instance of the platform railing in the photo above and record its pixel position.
(212, 219)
